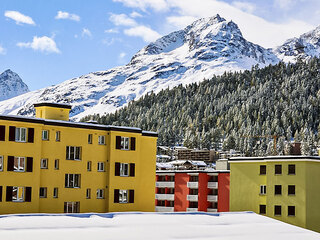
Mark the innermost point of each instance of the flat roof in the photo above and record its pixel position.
(77, 125)
(57, 105)
(193, 171)
(275, 158)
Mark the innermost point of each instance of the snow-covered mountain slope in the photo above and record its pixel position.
(206, 47)
(303, 47)
(11, 85)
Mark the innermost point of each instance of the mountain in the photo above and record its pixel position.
(11, 85)
(304, 47)
(206, 47)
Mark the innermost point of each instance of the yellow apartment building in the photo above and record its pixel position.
(51, 165)
(282, 187)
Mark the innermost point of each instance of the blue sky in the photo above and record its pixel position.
(48, 42)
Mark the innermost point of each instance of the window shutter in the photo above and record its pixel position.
(132, 169)
(28, 194)
(12, 133)
(116, 196)
(9, 194)
(131, 196)
(118, 142)
(133, 143)
(117, 169)
(10, 166)
(29, 164)
(30, 135)
(2, 133)
(0, 193)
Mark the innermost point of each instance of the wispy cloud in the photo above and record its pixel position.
(86, 33)
(122, 20)
(121, 58)
(146, 33)
(180, 21)
(43, 44)
(158, 5)
(109, 42)
(135, 14)
(3, 51)
(66, 15)
(112, 30)
(19, 18)
(244, 6)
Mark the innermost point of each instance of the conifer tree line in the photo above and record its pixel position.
(240, 111)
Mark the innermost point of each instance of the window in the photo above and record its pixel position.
(43, 192)
(193, 204)
(2, 133)
(170, 190)
(277, 189)
(45, 135)
(278, 169)
(124, 143)
(193, 191)
(44, 163)
(73, 153)
(100, 193)
(291, 210)
(194, 179)
(102, 140)
(55, 192)
(58, 136)
(21, 135)
(56, 164)
(170, 204)
(263, 169)
(161, 203)
(88, 193)
(123, 196)
(71, 207)
(18, 194)
(89, 163)
(19, 164)
(72, 180)
(89, 138)
(100, 166)
(291, 169)
(1, 163)
(291, 190)
(161, 190)
(123, 169)
(263, 189)
(262, 209)
(277, 210)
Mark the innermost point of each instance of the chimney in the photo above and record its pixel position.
(54, 111)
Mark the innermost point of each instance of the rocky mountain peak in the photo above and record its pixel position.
(11, 85)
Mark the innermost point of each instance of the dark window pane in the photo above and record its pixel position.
(277, 210)
(292, 169)
(278, 169)
(291, 210)
(263, 169)
(291, 190)
(262, 209)
(277, 189)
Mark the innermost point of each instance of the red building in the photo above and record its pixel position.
(192, 190)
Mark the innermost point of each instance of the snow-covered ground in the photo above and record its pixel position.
(235, 226)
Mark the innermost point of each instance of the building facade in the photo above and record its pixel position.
(282, 187)
(192, 190)
(48, 164)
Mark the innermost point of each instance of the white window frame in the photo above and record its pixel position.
(73, 181)
(56, 164)
(44, 192)
(21, 134)
(89, 138)
(44, 136)
(89, 166)
(102, 140)
(20, 194)
(263, 189)
(73, 205)
(44, 163)
(55, 192)
(72, 155)
(88, 193)
(100, 193)
(125, 143)
(19, 169)
(101, 166)
(58, 136)
(1, 163)
(123, 196)
(124, 169)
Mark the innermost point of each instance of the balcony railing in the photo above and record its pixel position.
(192, 209)
(169, 197)
(164, 209)
(212, 210)
(212, 185)
(165, 184)
(192, 184)
(212, 198)
(193, 198)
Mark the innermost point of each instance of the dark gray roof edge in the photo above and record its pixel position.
(48, 104)
(235, 159)
(149, 134)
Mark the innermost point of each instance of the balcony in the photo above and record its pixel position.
(169, 197)
(193, 198)
(192, 184)
(212, 210)
(192, 209)
(212, 198)
(213, 185)
(165, 184)
(164, 209)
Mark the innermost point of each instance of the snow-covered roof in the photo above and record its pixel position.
(194, 163)
(163, 156)
(276, 158)
(155, 226)
(164, 165)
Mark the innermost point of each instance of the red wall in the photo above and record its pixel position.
(181, 192)
(203, 192)
(223, 192)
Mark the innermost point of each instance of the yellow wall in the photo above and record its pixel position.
(245, 188)
(52, 113)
